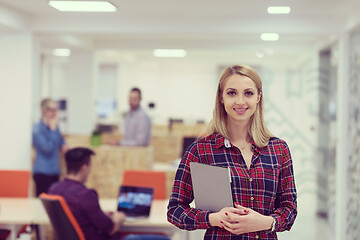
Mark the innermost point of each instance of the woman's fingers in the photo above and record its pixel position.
(231, 227)
(242, 209)
(232, 214)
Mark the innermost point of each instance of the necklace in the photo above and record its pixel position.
(242, 148)
(244, 145)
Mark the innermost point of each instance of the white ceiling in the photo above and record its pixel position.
(189, 24)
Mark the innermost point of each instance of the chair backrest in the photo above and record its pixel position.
(153, 179)
(4, 233)
(61, 218)
(14, 183)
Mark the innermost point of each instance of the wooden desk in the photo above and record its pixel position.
(156, 222)
(22, 211)
(18, 211)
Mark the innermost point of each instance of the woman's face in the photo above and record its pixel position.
(51, 110)
(240, 97)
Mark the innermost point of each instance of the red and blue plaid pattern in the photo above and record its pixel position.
(268, 187)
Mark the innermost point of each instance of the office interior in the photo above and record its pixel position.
(310, 75)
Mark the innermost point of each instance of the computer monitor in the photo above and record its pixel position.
(187, 141)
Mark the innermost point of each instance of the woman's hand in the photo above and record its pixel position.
(245, 223)
(51, 122)
(225, 215)
(64, 148)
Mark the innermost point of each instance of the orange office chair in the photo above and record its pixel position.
(62, 219)
(152, 179)
(14, 183)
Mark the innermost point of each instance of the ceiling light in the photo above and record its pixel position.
(169, 53)
(269, 36)
(61, 52)
(82, 6)
(278, 10)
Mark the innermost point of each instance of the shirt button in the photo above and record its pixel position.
(257, 236)
(252, 198)
(250, 179)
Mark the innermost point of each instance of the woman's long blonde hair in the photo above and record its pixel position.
(257, 128)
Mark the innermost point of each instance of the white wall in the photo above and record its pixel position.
(18, 69)
(179, 88)
(80, 93)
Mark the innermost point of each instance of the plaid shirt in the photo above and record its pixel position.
(268, 187)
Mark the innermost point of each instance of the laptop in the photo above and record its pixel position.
(135, 202)
(211, 186)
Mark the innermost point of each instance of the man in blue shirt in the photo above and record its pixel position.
(137, 122)
(48, 142)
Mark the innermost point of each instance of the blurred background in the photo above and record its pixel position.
(174, 51)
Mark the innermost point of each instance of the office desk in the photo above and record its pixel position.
(22, 211)
(18, 211)
(156, 222)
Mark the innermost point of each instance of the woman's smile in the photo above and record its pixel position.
(240, 110)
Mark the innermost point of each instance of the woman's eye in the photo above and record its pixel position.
(231, 93)
(249, 93)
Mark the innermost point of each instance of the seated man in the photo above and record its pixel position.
(84, 202)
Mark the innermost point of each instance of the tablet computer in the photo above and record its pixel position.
(211, 186)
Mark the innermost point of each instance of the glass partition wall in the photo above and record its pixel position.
(353, 128)
(327, 139)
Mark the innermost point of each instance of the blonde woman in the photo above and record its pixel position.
(48, 142)
(263, 185)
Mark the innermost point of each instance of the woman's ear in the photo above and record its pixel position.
(259, 97)
(221, 98)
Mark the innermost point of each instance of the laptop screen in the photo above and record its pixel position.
(135, 201)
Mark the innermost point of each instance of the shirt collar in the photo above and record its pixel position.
(42, 124)
(73, 181)
(227, 143)
(222, 141)
(136, 109)
(255, 148)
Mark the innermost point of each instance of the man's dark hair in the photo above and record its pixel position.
(76, 158)
(135, 89)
